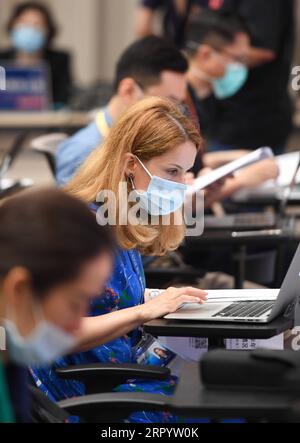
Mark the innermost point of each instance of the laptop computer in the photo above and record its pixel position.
(244, 306)
(254, 221)
(27, 87)
(240, 222)
(273, 190)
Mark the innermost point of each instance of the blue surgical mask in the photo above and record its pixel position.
(163, 197)
(230, 84)
(42, 347)
(28, 39)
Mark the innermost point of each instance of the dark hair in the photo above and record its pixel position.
(155, 350)
(213, 28)
(48, 17)
(146, 59)
(51, 234)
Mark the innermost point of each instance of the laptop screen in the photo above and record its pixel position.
(288, 190)
(27, 88)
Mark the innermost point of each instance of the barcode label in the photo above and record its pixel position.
(198, 343)
(2, 79)
(2, 339)
(248, 345)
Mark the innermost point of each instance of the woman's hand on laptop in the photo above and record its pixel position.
(171, 300)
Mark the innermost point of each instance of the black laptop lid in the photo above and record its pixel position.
(290, 289)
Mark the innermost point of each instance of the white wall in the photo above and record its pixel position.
(96, 31)
(118, 30)
(78, 22)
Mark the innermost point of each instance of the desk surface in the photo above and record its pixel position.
(41, 120)
(215, 330)
(193, 400)
(264, 200)
(264, 237)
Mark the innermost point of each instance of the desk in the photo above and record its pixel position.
(239, 242)
(216, 332)
(191, 399)
(35, 121)
(273, 198)
(265, 202)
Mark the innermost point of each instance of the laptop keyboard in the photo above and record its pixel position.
(246, 310)
(254, 219)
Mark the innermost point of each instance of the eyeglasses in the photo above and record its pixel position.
(193, 45)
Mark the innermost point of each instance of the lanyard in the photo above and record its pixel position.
(6, 412)
(102, 124)
(192, 109)
(138, 270)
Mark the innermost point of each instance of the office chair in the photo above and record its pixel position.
(97, 408)
(47, 145)
(104, 377)
(253, 257)
(273, 375)
(100, 405)
(214, 390)
(177, 272)
(93, 97)
(7, 186)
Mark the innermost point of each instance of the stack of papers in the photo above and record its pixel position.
(287, 164)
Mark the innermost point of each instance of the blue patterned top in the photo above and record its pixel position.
(124, 290)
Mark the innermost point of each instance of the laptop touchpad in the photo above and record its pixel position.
(194, 311)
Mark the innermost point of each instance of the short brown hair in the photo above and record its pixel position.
(43, 10)
(51, 234)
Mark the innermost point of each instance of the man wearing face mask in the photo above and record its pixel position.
(263, 107)
(217, 71)
(175, 15)
(32, 29)
(151, 66)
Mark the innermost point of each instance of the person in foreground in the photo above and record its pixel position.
(54, 259)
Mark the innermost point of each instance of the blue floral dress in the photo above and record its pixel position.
(124, 290)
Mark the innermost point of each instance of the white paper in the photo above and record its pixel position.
(224, 171)
(188, 348)
(2, 339)
(287, 164)
(7, 183)
(176, 366)
(275, 343)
